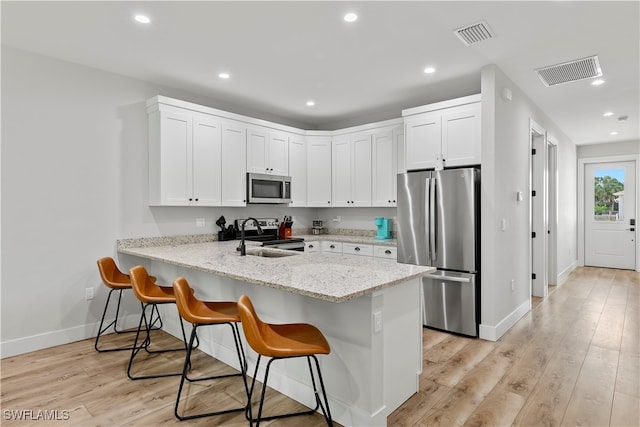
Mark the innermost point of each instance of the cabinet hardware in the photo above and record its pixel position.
(357, 248)
(388, 252)
(332, 246)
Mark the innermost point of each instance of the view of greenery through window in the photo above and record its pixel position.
(608, 194)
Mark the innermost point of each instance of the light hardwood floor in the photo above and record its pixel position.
(573, 360)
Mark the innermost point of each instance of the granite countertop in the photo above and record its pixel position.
(327, 277)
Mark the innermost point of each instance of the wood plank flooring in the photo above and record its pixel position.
(573, 360)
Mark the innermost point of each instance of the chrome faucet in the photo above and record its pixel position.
(242, 248)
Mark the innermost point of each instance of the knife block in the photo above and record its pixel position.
(227, 235)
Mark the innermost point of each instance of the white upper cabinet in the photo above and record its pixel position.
(461, 135)
(181, 149)
(351, 170)
(233, 166)
(267, 152)
(298, 170)
(388, 161)
(445, 134)
(318, 171)
(207, 180)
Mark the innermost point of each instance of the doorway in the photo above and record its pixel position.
(544, 210)
(609, 214)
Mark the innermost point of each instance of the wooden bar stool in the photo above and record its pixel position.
(117, 281)
(150, 295)
(203, 313)
(283, 342)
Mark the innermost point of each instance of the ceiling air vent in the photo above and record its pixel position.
(571, 71)
(474, 33)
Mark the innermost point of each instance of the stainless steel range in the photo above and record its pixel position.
(269, 236)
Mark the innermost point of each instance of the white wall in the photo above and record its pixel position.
(74, 180)
(609, 149)
(505, 171)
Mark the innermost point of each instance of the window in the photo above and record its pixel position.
(608, 193)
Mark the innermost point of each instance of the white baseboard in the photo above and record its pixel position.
(493, 333)
(62, 336)
(564, 274)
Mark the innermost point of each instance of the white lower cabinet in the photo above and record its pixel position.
(331, 247)
(386, 252)
(312, 246)
(383, 252)
(357, 249)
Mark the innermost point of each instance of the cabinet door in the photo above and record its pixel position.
(257, 150)
(206, 162)
(384, 169)
(298, 171)
(175, 159)
(318, 171)
(233, 166)
(278, 154)
(461, 135)
(400, 147)
(423, 141)
(341, 172)
(361, 170)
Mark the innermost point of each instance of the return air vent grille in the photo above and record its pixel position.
(474, 33)
(571, 71)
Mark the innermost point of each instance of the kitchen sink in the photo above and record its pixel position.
(270, 253)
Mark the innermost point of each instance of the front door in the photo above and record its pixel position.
(610, 215)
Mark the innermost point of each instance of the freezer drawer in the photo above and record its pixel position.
(450, 302)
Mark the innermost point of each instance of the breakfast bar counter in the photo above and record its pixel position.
(368, 309)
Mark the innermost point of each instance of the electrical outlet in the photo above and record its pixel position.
(377, 321)
(88, 294)
(199, 222)
(513, 285)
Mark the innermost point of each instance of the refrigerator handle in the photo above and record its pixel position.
(448, 278)
(432, 220)
(427, 216)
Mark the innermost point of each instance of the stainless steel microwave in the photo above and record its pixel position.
(263, 188)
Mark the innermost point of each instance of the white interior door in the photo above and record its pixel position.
(609, 217)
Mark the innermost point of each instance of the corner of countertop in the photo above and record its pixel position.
(148, 242)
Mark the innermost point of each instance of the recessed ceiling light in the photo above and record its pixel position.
(350, 17)
(608, 114)
(597, 82)
(311, 103)
(143, 19)
(613, 133)
(224, 75)
(429, 70)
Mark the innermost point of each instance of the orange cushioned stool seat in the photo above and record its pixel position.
(117, 281)
(282, 342)
(203, 313)
(150, 295)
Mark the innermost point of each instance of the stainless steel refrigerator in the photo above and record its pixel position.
(438, 225)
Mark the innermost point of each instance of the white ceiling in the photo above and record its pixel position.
(281, 54)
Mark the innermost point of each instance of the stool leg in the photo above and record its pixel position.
(187, 365)
(262, 395)
(147, 342)
(114, 323)
(327, 413)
